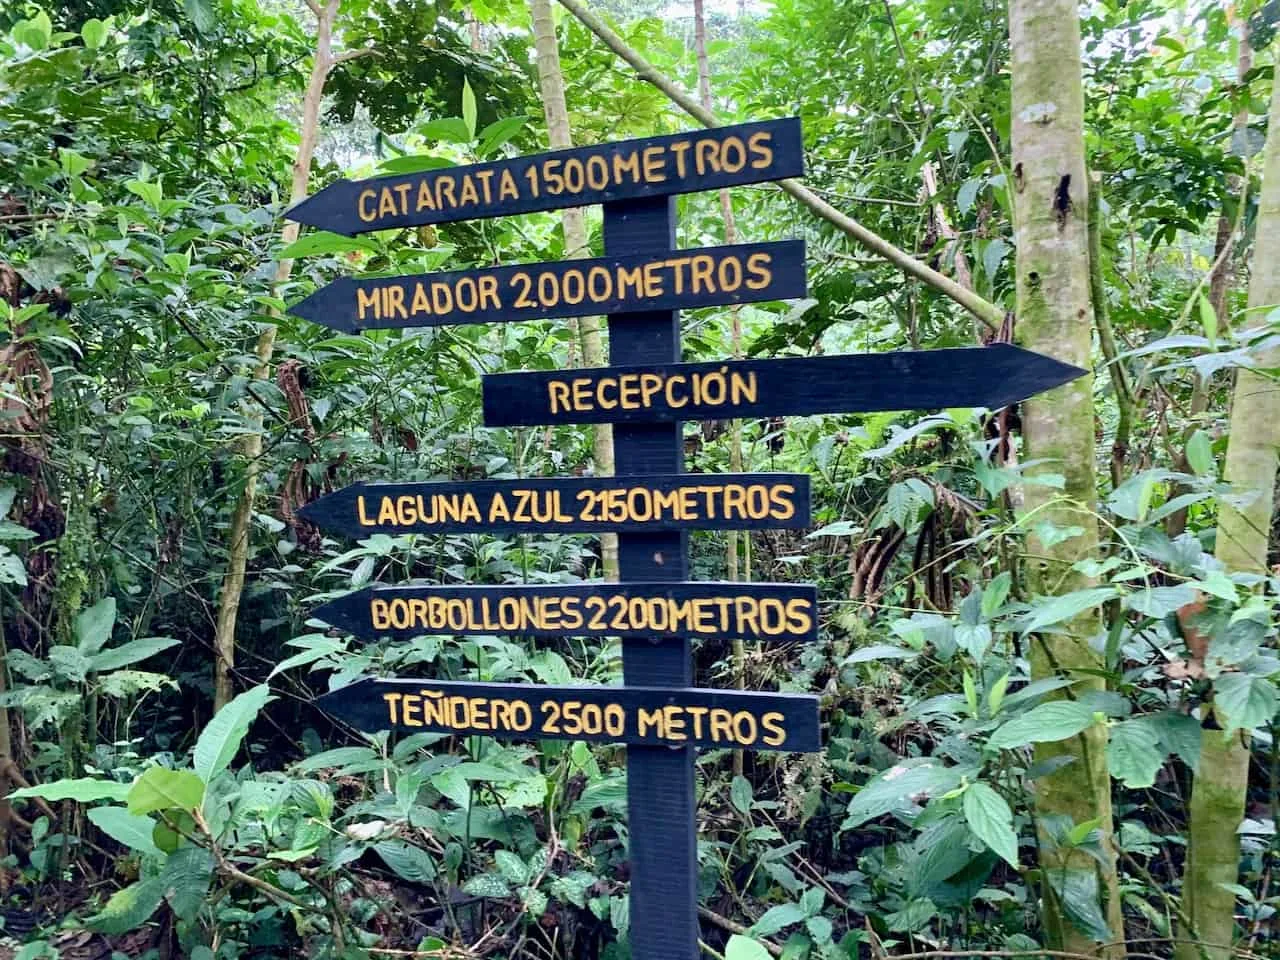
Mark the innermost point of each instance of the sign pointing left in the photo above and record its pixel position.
(680, 279)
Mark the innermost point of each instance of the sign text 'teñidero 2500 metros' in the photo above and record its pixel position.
(633, 715)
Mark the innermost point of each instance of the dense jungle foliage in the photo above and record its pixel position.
(1048, 658)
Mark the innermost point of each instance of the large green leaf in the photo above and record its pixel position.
(162, 789)
(778, 918)
(130, 907)
(93, 626)
(1244, 701)
(1046, 723)
(407, 861)
(1133, 753)
(744, 948)
(991, 821)
(1046, 612)
(186, 876)
(124, 827)
(127, 653)
(897, 789)
(221, 738)
(83, 789)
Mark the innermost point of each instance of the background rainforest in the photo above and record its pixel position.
(1048, 652)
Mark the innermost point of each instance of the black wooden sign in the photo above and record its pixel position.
(776, 612)
(748, 501)
(991, 377)
(653, 166)
(706, 277)
(649, 716)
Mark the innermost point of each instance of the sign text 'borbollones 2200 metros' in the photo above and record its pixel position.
(654, 166)
(777, 612)
(706, 277)
(751, 501)
(633, 715)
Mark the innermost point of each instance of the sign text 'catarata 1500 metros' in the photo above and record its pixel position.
(639, 283)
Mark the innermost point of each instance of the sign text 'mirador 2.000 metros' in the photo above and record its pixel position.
(751, 501)
(633, 715)
(679, 279)
(776, 612)
(654, 166)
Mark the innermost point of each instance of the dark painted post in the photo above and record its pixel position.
(660, 784)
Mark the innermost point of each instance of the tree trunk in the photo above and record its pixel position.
(238, 540)
(1218, 794)
(551, 82)
(1055, 318)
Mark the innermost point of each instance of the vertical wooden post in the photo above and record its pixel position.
(660, 785)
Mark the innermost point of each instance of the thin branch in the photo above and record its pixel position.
(356, 54)
(732, 926)
(984, 310)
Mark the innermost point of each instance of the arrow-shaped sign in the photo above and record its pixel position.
(777, 612)
(655, 166)
(649, 716)
(991, 377)
(734, 501)
(707, 277)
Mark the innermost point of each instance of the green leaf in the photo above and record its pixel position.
(36, 32)
(321, 242)
(201, 14)
(1077, 891)
(994, 596)
(83, 789)
(127, 653)
(406, 861)
(11, 568)
(130, 907)
(93, 626)
(486, 885)
(911, 917)
(1245, 702)
(1179, 734)
(219, 741)
(896, 789)
(744, 948)
(995, 698)
(1209, 321)
(499, 132)
(416, 163)
(1047, 723)
(1133, 753)
(778, 918)
(94, 32)
(1049, 611)
(124, 827)
(186, 877)
(741, 795)
(511, 867)
(991, 821)
(1200, 454)
(469, 108)
(974, 639)
(162, 789)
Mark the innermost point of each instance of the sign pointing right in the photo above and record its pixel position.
(991, 377)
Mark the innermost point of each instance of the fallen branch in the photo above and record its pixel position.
(984, 310)
(732, 926)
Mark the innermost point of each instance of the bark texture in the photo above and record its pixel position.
(551, 82)
(1218, 794)
(238, 538)
(1055, 318)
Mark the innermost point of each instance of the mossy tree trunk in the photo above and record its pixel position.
(1218, 794)
(551, 82)
(1055, 318)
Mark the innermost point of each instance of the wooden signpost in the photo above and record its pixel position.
(640, 283)
(778, 612)
(747, 501)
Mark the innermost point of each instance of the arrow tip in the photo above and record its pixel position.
(1027, 373)
(330, 306)
(326, 210)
